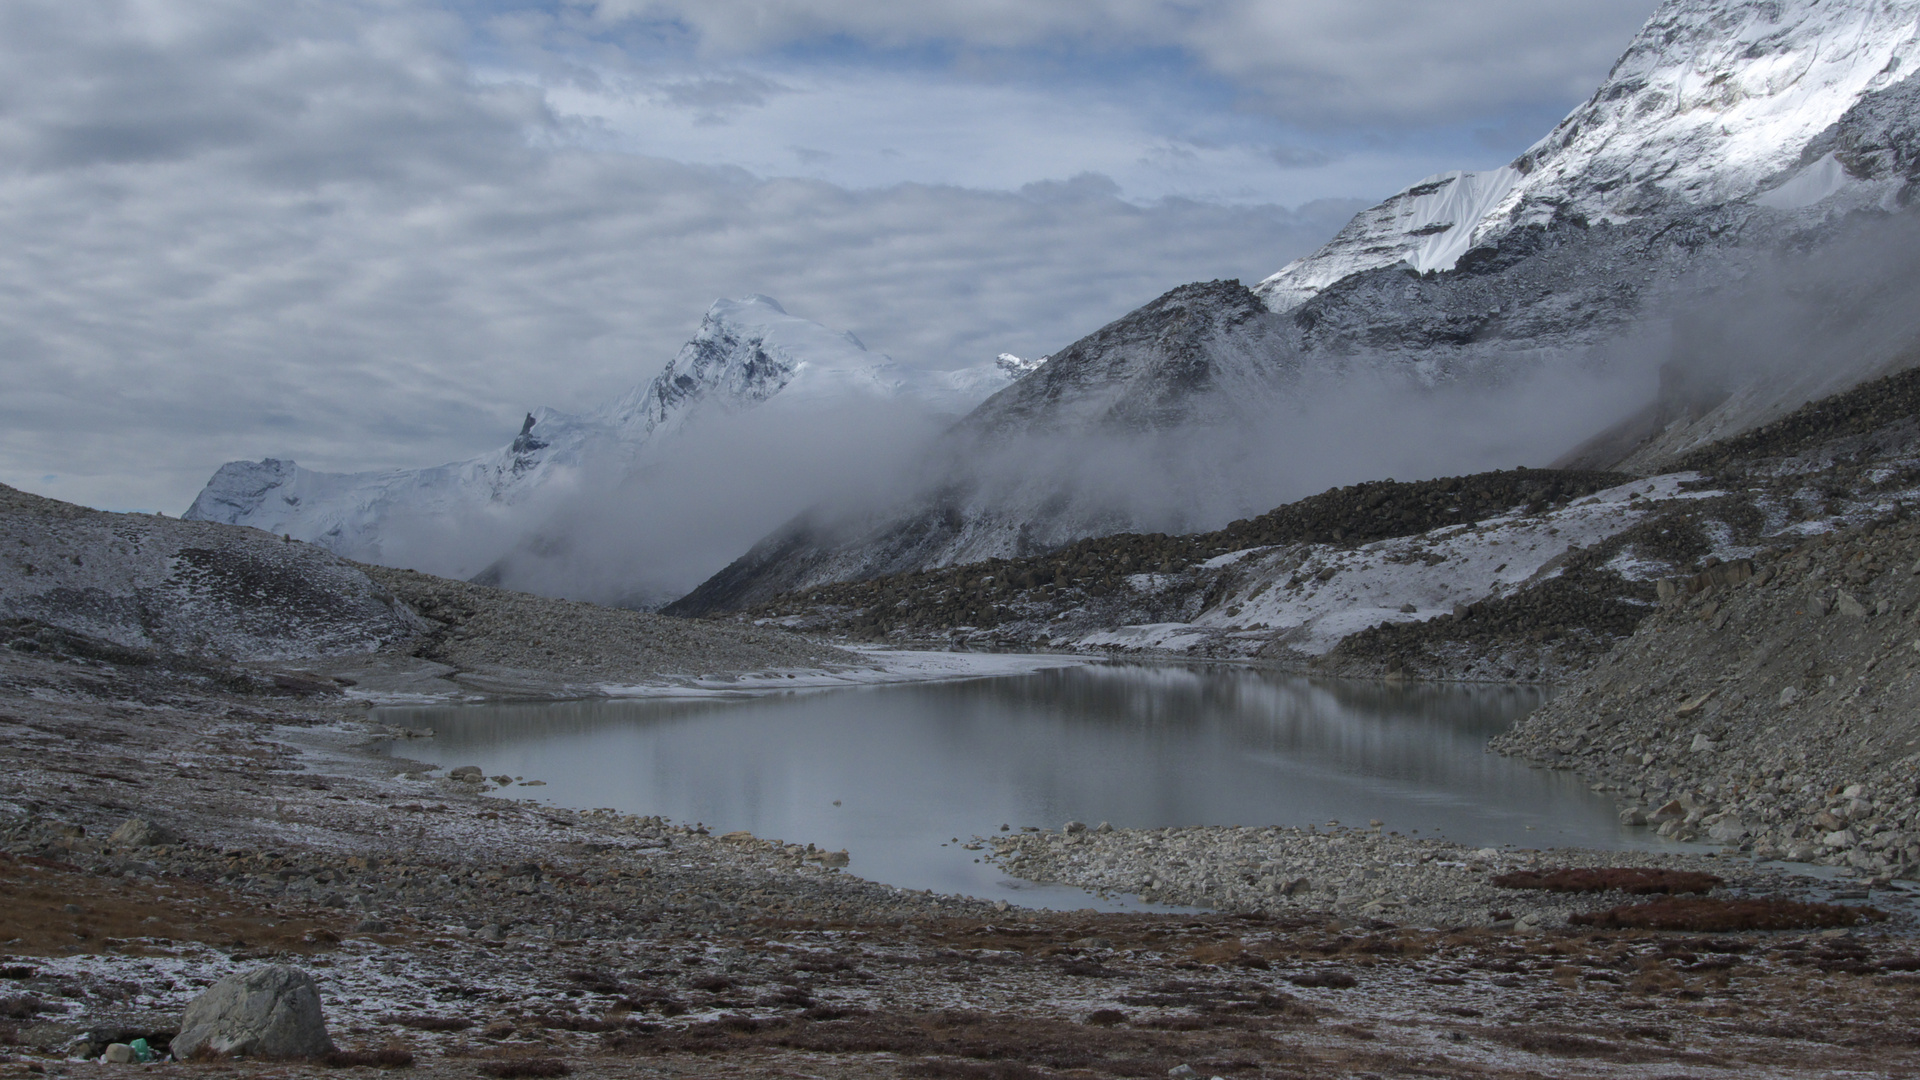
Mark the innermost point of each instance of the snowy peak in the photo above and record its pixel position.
(745, 352)
(1427, 227)
(1714, 101)
(748, 353)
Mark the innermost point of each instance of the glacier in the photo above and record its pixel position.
(458, 518)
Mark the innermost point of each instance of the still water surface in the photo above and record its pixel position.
(893, 773)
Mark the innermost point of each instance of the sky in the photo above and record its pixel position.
(374, 233)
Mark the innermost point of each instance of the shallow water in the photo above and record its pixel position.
(894, 773)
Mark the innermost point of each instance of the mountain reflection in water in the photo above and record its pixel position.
(891, 773)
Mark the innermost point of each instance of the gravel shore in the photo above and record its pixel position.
(1366, 873)
(479, 935)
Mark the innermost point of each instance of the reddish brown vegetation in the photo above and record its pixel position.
(390, 1058)
(520, 1068)
(430, 1023)
(1637, 880)
(1720, 916)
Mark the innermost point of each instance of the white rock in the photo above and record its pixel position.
(272, 1011)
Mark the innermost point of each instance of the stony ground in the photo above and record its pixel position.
(1777, 709)
(489, 937)
(497, 641)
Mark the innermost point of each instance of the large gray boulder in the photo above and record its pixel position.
(269, 1012)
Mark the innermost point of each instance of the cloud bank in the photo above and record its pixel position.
(311, 231)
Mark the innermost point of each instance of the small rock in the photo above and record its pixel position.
(1104, 828)
(1000, 905)
(135, 832)
(1841, 839)
(119, 1054)
(1633, 815)
(1672, 811)
(1789, 695)
(1845, 604)
(372, 926)
(834, 858)
(492, 932)
(1074, 828)
(1703, 744)
(270, 1012)
(1727, 831)
(1182, 1072)
(469, 774)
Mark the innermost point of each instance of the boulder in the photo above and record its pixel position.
(269, 1012)
(135, 832)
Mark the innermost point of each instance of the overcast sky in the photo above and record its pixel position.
(365, 233)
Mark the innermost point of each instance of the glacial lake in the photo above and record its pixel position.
(896, 774)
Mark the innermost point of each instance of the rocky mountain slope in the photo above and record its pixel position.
(153, 583)
(1730, 132)
(239, 606)
(748, 353)
(1532, 574)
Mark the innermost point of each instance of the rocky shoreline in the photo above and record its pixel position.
(472, 933)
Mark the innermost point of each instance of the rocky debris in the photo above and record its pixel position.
(1279, 871)
(628, 947)
(270, 1012)
(1764, 714)
(139, 833)
(206, 591)
(494, 639)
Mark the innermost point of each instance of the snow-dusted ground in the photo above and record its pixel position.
(1314, 595)
(890, 666)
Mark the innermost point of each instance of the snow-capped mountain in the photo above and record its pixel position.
(748, 354)
(1729, 132)
(1713, 102)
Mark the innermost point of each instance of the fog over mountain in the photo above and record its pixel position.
(1471, 316)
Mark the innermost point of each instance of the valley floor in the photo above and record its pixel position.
(487, 936)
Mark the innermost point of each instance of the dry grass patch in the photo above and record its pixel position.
(1637, 881)
(1717, 916)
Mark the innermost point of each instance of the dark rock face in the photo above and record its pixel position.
(1877, 139)
(1176, 364)
(1149, 370)
(269, 1012)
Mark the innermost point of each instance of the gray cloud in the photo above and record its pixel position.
(1394, 61)
(714, 99)
(1299, 157)
(307, 231)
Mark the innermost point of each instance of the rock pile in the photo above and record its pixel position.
(1362, 873)
(1772, 709)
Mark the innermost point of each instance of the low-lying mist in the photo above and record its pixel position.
(1769, 334)
(642, 537)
